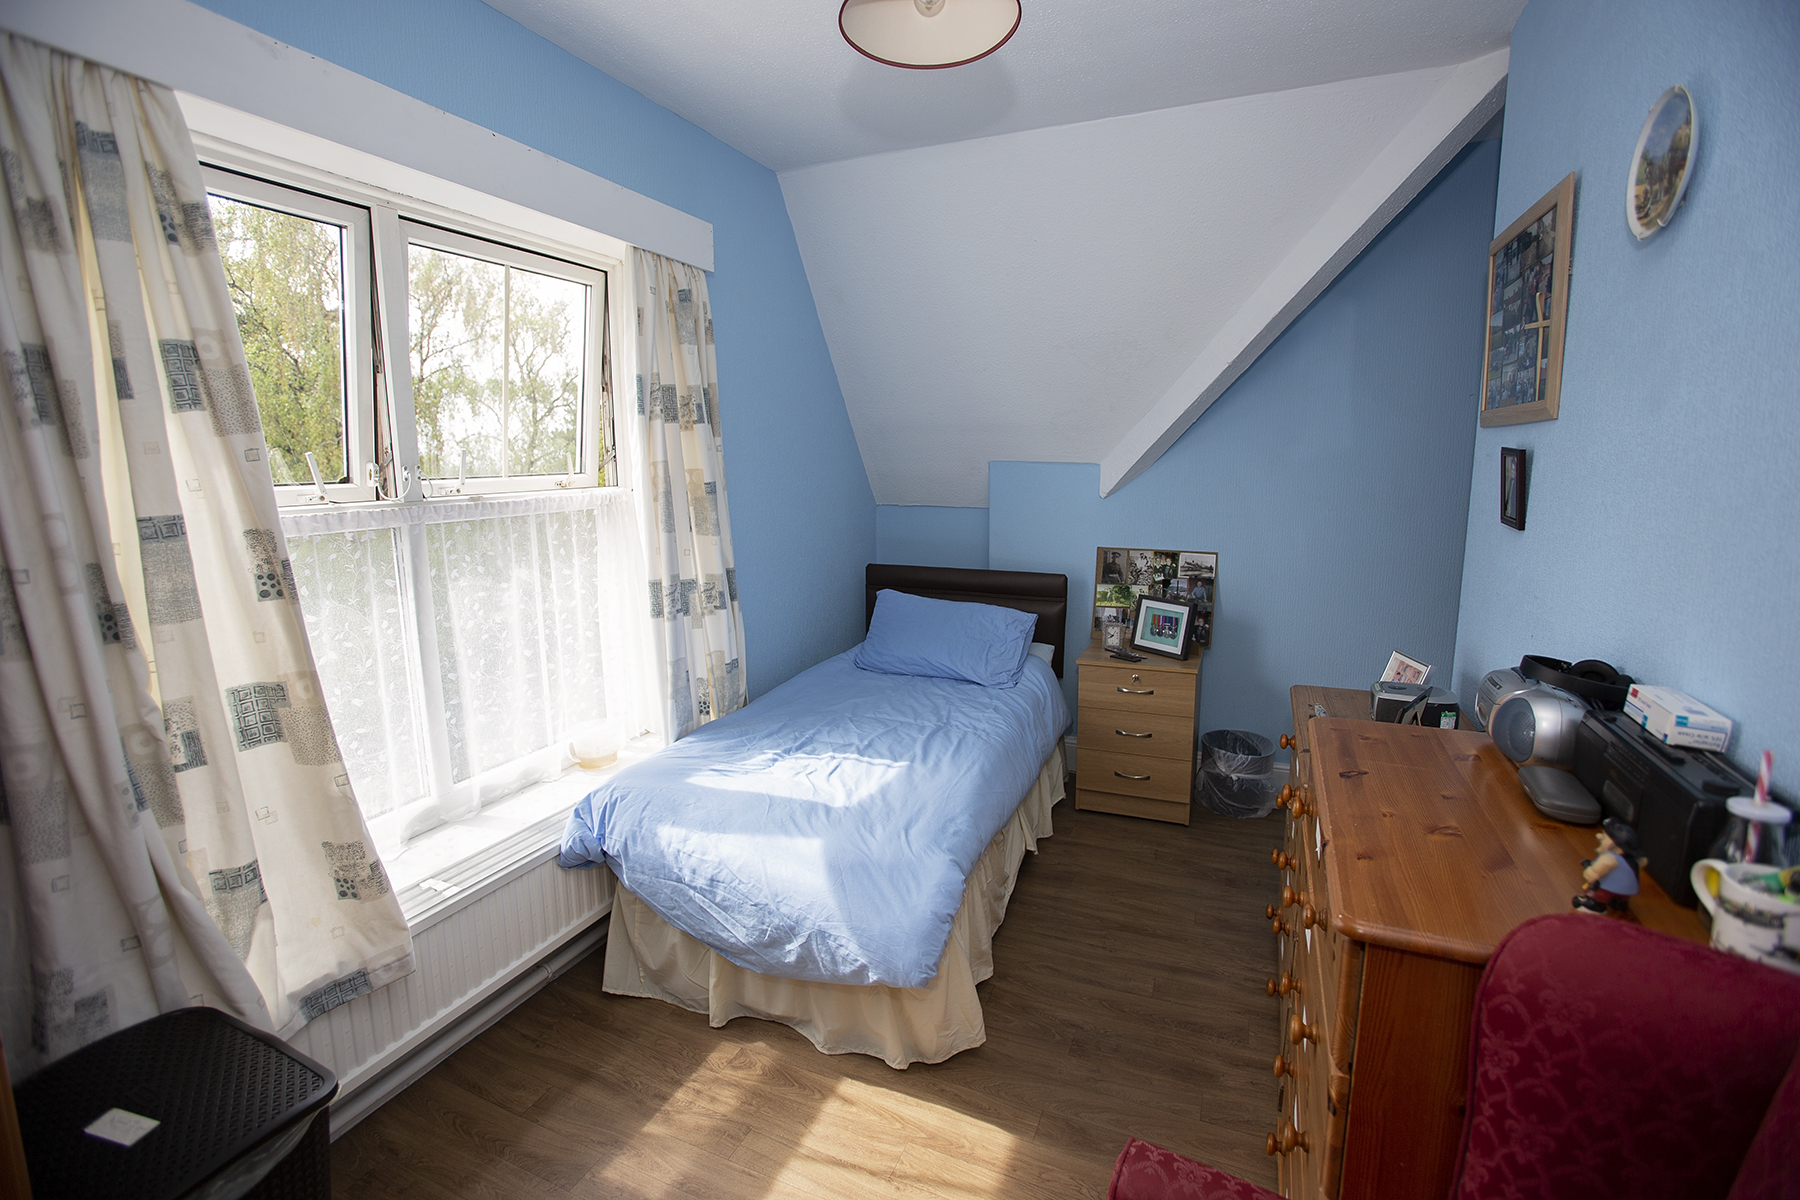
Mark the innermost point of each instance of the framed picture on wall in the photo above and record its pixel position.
(1514, 481)
(1527, 311)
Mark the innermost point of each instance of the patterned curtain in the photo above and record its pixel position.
(687, 530)
(179, 825)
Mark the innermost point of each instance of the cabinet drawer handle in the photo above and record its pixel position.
(1123, 775)
(1138, 691)
(1122, 733)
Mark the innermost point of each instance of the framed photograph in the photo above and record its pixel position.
(1527, 311)
(1660, 164)
(1515, 478)
(1162, 627)
(1401, 669)
(1116, 595)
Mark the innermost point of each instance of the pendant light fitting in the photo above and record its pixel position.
(924, 35)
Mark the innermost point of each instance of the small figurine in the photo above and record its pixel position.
(1611, 875)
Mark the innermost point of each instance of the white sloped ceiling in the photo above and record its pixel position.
(1080, 293)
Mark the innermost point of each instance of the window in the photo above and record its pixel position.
(506, 384)
(436, 401)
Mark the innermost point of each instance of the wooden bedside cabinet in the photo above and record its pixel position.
(1135, 738)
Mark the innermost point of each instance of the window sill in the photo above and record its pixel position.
(443, 869)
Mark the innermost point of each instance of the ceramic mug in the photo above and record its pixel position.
(1747, 922)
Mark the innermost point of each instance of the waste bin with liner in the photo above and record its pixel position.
(191, 1104)
(1234, 779)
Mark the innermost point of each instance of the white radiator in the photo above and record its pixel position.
(477, 953)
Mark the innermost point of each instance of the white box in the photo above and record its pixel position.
(1677, 718)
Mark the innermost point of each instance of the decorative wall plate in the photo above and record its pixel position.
(1662, 162)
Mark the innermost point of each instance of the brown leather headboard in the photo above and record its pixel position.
(1028, 591)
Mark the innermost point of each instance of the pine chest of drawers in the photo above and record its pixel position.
(1135, 738)
(1409, 854)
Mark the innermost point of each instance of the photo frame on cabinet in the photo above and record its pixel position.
(1528, 311)
(1162, 627)
(1125, 577)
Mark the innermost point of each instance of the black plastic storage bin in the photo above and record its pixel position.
(241, 1115)
(1235, 777)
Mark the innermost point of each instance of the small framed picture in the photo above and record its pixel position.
(1514, 480)
(1162, 627)
(1401, 669)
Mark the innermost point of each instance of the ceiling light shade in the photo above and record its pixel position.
(926, 34)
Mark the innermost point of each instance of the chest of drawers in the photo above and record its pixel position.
(1409, 854)
(1135, 736)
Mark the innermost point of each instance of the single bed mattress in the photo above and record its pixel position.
(826, 831)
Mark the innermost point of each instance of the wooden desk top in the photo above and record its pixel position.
(1418, 821)
(1097, 655)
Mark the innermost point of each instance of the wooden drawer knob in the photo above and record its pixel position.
(1299, 1031)
(1281, 859)
(1289, 897)
(1283, 1067)
(1288, 743)
(1287, 984)
(1280, 925)
(1269, 911)
(1274, 988)
(1308, 918)
(1285, 1139)
(1284, 795)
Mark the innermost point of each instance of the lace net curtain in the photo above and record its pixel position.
(533, 631)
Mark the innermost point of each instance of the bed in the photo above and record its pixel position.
(838, 855)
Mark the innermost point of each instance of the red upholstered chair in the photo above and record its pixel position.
(1604, 1060)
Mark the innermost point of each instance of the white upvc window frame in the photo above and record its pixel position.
(359, 354)
(310, 164)
(246, 145)
(597, 393)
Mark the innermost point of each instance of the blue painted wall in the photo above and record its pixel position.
(1663, 528)
(931, 536)
(1332, 478)
(800, 499)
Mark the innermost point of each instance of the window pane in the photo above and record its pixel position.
(359, 623)
(497, 357)
(518, 632)
(544, 351)
(286, 275)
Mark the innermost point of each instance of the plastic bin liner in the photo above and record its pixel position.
(1235, 777)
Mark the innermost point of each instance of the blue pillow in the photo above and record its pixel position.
(916, 635)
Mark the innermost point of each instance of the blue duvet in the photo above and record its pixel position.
(825, 832)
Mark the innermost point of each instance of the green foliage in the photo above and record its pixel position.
(286, 279)
(480, 369)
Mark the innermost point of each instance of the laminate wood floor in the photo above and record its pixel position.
(1127, 998)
